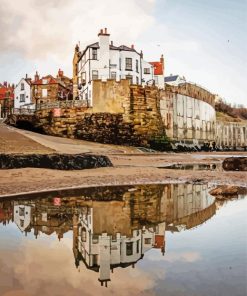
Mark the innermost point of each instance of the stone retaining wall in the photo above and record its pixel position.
(136, 122)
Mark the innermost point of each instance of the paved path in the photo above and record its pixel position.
(15, 142)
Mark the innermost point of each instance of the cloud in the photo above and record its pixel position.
(177, 256)
(40, 29)
(41, 267)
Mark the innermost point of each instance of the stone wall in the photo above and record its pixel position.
(121, 114)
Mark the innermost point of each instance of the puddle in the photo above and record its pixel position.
(194, 167)
(147, 239)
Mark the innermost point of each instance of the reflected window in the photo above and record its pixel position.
(22, 223)
(138, 246)
(22, 211)
(84, 235)
(147, 241)
(129, 249)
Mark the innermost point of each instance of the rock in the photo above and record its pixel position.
(235, 164)
(54, 161)
(227, 191)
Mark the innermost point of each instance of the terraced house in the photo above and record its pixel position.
(104, 60)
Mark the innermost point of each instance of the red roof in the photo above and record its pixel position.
(158, 68)
(50, 80)
(4, 90)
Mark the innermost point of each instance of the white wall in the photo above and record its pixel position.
(26, 92)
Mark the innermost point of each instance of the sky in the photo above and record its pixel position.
(203, 40)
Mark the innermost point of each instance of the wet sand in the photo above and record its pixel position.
(130, 165)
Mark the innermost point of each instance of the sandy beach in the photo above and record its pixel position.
(130, 166)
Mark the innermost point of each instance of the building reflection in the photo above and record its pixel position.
(113, 232)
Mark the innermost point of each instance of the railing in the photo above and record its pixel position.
(62, 104)
(51, 105)
(23, 111)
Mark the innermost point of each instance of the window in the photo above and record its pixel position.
(128, 64)
(94, 56)
(137, 80)
(137, 68)
(137, 246)
(83, 78)
(22, 211)
(130, 78)
(95, 74)
(113, 75)
(147, 241)
(120, 61)
(22, 86)
(156, 80)
(129, 249)
(22, 223)
(44, 81)
(44, 93)
(146, 70)
(22, 97)
(84, 235)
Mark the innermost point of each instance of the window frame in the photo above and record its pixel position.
(94, 76)
(94, 54)
(129, 248)
(145, 71)
(128, 64)
(22, 98)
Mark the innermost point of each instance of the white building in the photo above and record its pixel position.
(22, 216)
(103, 252)
(22, 92)
(174, 80)
(103, 60)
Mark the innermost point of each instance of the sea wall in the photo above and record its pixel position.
(187, 119)
(231, 134)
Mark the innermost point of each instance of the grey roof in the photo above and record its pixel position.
(94, 45)
(171, 78)
(121, 47)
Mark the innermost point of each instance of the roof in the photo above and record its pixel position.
(158, 68)
(4, 90)
(171, 78)
(50, 80)
(111, 46)
(28, 81)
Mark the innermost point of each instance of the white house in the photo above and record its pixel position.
(104, 60)
(22, 92)
(22, 216)
(174, 80)
(103, 252)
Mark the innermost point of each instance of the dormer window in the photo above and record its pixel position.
(22, 86)
(44, 81)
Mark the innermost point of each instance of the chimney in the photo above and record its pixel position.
(36, 76)
(163, 63)
(60, 73)
(103, 32)
(162, 59)
(26, 76)
(5, 84)
(141, 54)
(132, 46)
(112, 43)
